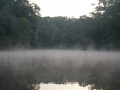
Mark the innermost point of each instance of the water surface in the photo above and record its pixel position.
(67, 86)
(22, 69)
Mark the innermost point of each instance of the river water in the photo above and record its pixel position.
(21, 69)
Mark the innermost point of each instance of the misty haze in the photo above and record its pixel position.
(29, 68)
(59, 44)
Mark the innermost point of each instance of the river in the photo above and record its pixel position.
(23, 68)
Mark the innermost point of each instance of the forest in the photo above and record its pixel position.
(21, 25)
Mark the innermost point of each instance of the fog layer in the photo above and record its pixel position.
(22, 69)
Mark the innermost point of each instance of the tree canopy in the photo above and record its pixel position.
(21, 25)
(18, 23)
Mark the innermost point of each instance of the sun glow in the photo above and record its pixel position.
(69, 8)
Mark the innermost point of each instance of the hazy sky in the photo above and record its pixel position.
(67, 8)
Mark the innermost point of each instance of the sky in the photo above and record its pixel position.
(69, 8)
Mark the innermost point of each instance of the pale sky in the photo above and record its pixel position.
(68, 8)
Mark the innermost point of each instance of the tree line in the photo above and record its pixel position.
(100, 30)
(18, 23)
(21, 25)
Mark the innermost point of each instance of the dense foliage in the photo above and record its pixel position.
(101, 30)
(22, 26)
(18, 23)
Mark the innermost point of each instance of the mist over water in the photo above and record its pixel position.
(22, 69)
(60, 54)
(77, 57)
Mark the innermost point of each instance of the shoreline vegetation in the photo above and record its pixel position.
(89, 46)
(22, 26)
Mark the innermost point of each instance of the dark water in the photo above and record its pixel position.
(19, 70)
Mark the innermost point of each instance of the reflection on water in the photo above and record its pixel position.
(25, 70)
(67, 86)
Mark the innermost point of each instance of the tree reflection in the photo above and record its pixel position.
(28, 74)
